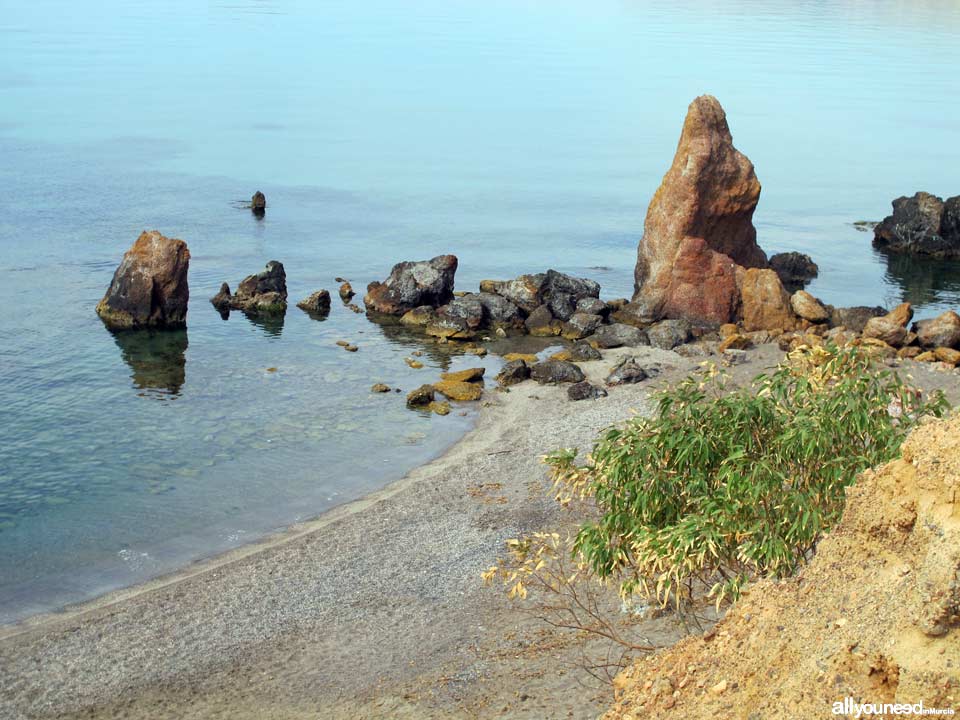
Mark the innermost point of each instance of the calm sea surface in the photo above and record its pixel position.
(517, 134)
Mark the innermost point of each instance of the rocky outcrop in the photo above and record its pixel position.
(149, 288)
(265, 292)
(923, 224)
(317, 304)
(699, 226)
(794, 269)
(412, 284)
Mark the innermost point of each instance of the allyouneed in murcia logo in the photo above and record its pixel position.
(854, 709)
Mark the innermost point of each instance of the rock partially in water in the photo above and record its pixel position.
(513, 372)
(419, 316)
(699, 226)
(854, 318)
(423, 395)
(556, 371)
(667, 334)
(499, 311)
(263, 293)
(346, 292)
(541, 322)
(317, 305)
(149, 288)
(458, 390)
(469, 375)
(585, 391)
(439, 407)
(941, 331)
(380, 388)
(626, 372)
(923, 224)
(413, 284)
(258, 201)
(618, 335)
(794, 269)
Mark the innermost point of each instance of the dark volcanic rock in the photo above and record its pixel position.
(540, 321)
(560, 292)
(515, 371)
(467, 311)
(149, 288)
(794, 269)
(412, 284)
(562, 306)
(498, 311)
(581, 325)
(593, 306)
(667, 334)
(585, 391)
(265, 292)
(627, 372)
(317, 304)
(583, 351)
(854, 318)
(556, 371)
(618, 334)
(921, 224)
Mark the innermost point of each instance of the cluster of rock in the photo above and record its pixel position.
(461, 386)
(265, 292)
(149, 288)
(923, 224)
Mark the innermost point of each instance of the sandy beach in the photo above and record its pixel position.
(373, 610)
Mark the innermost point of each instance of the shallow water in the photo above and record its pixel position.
(518, 135)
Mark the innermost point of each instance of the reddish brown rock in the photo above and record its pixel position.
(149, 288)
(699, 225)
(765, 302)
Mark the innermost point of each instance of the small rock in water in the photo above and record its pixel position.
(350, 348)
(258, 203)
(317, 304)
(340, 280)
(380, 388)
(585, 391)
(415, 364)
(346, 292)
(469, 375)
(456, 390)
(342, 343)
(440, 408)
(423, 395)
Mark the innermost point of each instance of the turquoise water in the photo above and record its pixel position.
(518, 135)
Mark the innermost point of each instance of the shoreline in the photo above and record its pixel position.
(379, 596)
(373, 609)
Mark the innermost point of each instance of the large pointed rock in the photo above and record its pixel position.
(149, 288)
(413, 284)
(699, 225)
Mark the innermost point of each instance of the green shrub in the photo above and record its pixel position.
(723, 484)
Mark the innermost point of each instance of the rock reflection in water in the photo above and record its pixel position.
(156, 357)
(271, 323)
(922, 280)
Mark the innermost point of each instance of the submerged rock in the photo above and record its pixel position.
(699, 226)
(585, 391)
(149, 288)
(413, 284)
(317, 304)
(556, 371)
